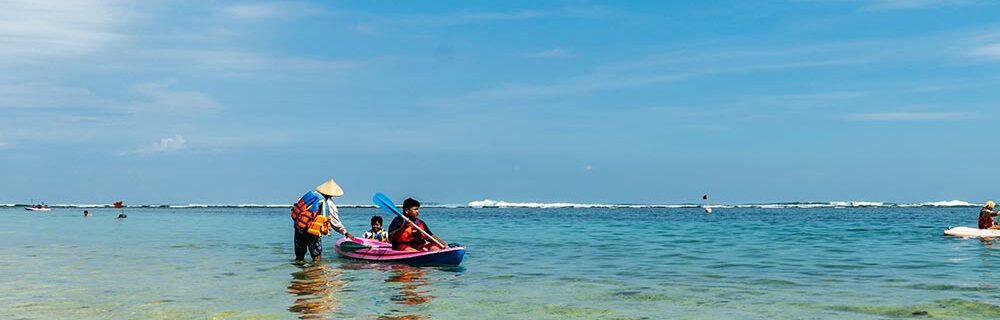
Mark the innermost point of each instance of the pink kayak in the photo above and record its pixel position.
(372, 250)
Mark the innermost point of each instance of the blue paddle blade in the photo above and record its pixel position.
(383, 201)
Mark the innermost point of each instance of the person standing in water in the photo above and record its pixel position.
(313, 216)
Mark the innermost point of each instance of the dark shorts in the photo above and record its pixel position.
(303, 241)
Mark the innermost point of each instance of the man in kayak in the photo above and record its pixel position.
(986, 216)
(313, 216)
(405, 237)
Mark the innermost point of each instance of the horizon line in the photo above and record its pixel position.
(543, 205)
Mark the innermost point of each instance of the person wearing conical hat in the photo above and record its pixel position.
(313, 216)
(986, 216)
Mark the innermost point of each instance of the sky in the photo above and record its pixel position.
(176, 102)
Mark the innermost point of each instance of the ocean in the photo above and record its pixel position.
(521, 263)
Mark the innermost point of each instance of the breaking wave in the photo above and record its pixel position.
(504, 204)
(782, 205)
(487, 203)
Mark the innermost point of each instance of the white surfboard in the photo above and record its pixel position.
(972, 232)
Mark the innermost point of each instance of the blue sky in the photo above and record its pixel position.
(524, 101)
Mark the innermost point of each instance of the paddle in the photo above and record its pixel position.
(383, 201)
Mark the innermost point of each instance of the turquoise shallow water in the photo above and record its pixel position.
(235, 263)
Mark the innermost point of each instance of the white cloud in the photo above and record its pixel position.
(35, 29)
(552, 53)
(588, 168)
(808, 100)
(269, 10)
(880, 5)
(987, 51)
(498, 16)
(607, 78)
(159, 95)
(244, 63)
(915, 4)
(28, 96)
(6, 144)
(469, 16)
(174, 143)
(466, 17)
(365, 28)
(703, 61)
(910, 116)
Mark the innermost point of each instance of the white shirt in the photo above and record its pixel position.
(331, 211)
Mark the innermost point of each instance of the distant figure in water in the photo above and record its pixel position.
(986, 216)
(122, 216)
(86, 213)
(708, 210)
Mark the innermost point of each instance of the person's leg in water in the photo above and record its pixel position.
(300, 247)
(317, 253)
(305, 241)
(315, 244)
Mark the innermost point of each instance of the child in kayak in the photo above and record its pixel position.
(986, 216)
(377, 233)
(405, 237)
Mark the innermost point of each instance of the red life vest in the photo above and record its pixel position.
(410, 235)
(985, 218)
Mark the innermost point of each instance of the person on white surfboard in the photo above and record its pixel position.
(986, 216)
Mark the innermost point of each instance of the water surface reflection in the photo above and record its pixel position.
(315, 288)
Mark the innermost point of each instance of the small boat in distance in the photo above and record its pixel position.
(38, 207)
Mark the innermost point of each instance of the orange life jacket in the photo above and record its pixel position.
(307, 216)
(409, 234)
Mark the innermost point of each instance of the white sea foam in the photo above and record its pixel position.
(504, 204)
(73, 205)
(487, 203)
(950, 203)
(786, 205)
(192, 205)
(856, 204)
(253, 205)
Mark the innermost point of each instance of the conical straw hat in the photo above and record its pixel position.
(330, 188)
